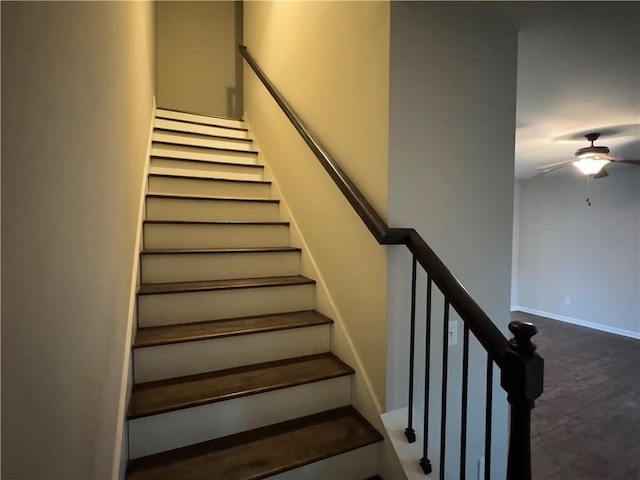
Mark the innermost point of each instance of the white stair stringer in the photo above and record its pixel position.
(158, 433)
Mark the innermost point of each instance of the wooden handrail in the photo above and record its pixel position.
(493, 341)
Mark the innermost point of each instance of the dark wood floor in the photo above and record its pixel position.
(586, 425)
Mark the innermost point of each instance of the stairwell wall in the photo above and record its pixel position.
(199, 69)
(451, 164)
(77, 94)
(330, 60)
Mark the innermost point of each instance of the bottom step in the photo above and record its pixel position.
(270, 450)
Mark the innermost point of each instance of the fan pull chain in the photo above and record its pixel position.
(589, 177)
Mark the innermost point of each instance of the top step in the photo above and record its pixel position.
(200, 119)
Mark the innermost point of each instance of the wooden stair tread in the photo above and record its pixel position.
(261, 452)
(217, 199)
(167, 395)
(161, 110)
(218, 149)
(205, 124)
(203, 136)
(189, 332)
(206, 285)
(210, 222)
(207, 179)
(212, 162)
(219, 250)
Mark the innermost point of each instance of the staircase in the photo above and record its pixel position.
(233, 372)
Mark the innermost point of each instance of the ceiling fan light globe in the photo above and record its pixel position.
(590, 165)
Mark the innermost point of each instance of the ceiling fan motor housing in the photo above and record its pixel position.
(592, 149)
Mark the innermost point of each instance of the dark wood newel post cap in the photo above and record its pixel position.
(524, 376)
(522, 333)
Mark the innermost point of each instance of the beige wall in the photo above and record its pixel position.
(77, 90)
(199, 69)
(331, 61)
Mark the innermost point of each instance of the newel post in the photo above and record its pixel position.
(522, 379)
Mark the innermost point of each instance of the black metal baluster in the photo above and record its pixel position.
(445, 355)
(487, 424)
(425, 463)
(409, 432)
(465, 393)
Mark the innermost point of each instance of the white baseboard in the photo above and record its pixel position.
(120, 452)
(374, 406)
(577, 321)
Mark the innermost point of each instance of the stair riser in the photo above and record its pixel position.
(205, 169)
(158, 433)
(191, 117)
(210, 210)
(178, 308)
(196, 128)
(195, 153)
(190, 358)
(169, 268)
(197, 140)
(162, 236)
(354, 465)
(210, 188)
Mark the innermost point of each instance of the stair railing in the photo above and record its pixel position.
(521, 368)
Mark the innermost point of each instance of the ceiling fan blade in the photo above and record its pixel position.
(554, 165)
(629, 161)
(549, 170)
(602, 173)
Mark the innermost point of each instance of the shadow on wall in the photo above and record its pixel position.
(234, 107)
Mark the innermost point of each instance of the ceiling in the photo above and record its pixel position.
(578, 72)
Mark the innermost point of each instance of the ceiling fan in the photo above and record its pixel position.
(589, 160)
